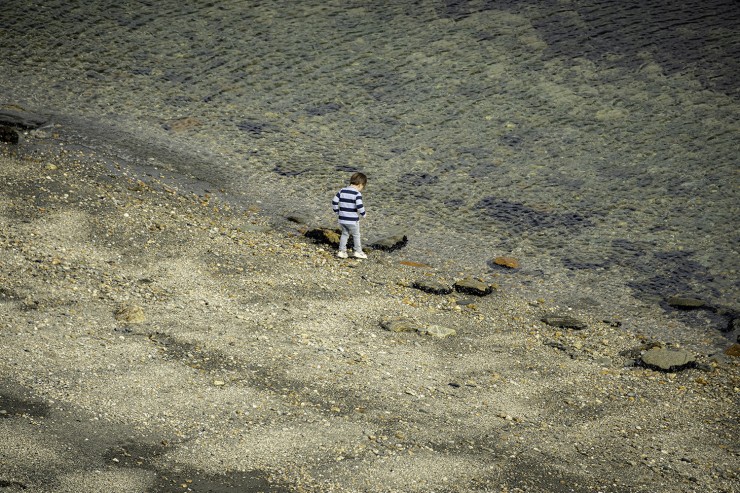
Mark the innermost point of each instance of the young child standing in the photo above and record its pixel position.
(348, 206)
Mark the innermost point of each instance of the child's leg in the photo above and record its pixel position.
(343, 238)
(356, 237)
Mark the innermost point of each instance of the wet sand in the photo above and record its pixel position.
(156, 339)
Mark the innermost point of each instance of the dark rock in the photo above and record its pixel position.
(8, 135)
(669, 360)
(324, 236)
(686, 303)
(564, 322)
(21, 119)
(474, 287)
(432, 287)
(390, 243)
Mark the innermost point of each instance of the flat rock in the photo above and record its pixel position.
(686, 302)
(508, 262)
(474, 287)
(400, 325)
(564, 322)
(438, 331)
(669, 360)
(431, 286)
(390, 243)
(21, 119)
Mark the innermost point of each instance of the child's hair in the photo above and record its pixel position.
(358, 179)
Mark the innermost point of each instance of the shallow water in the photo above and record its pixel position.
(595, 141)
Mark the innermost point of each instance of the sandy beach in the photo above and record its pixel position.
(155, 339)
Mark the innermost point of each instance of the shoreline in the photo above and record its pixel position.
(169, 327)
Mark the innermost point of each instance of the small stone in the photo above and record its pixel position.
(473, 286)
(438, 331)
(564, 322)
(432, 287)
(669, 360)
(219, 383)
(131, 314)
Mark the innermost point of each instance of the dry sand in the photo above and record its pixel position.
(152, 339)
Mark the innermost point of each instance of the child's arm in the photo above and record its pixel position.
(359, 205)
(335, 203)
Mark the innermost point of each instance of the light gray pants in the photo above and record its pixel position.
(350, 229)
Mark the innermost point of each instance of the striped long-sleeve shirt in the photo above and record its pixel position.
(347, 204)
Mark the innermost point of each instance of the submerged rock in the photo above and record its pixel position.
(686, 303)
(564, 322)
(390, 243)
(669, 360)
(432, 286)
(474, 287)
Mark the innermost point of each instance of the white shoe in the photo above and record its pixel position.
(342, 254)
(360, 255)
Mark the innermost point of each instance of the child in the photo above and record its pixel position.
(348, 206)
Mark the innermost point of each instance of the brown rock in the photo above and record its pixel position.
(733, 350)
(509, 262)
